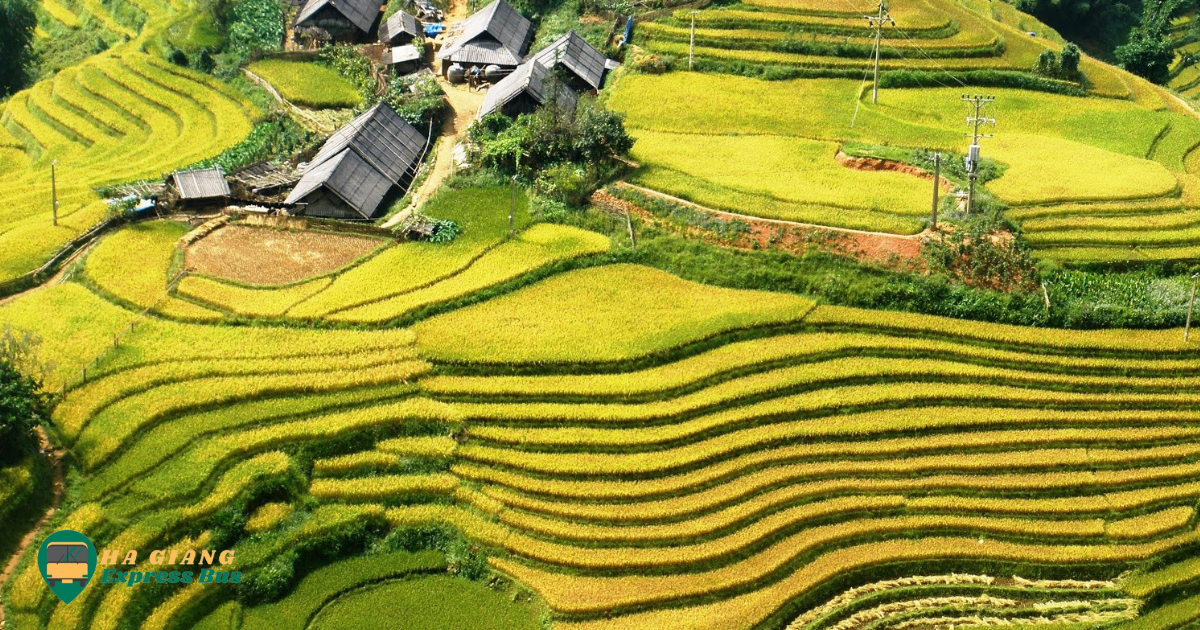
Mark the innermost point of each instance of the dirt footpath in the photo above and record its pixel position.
(55, 456)
(891, 250)
(464, 105)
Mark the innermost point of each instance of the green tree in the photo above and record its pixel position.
(1047, 64)
(23, 405)
(1068, 62)
(255, 25)
(1104, 24)
(1147, 56)
(17, 22)
(1149, 52)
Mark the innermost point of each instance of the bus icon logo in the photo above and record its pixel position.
(67, 560)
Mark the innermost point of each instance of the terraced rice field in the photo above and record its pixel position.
(119, 116)
(1134, 201)
(637, 451)
(401, 280)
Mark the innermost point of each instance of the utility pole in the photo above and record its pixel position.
(512, 206)
(1187, 329)
(54, 192)
(692, 41)
(978, 102)
(876, 22)
(937, 180)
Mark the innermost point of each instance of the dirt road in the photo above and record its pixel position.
(31, 537)
(464, 104)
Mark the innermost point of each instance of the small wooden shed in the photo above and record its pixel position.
(197, 188)
(529, 87)
(403, 59)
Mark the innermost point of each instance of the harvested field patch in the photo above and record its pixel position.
(267, 256)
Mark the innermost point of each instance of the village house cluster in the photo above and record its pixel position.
(377, 155)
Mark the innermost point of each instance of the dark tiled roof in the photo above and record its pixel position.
(362, 161)
(530, 78)
(381, 138)
(497, 34)
(400, 23)
(361, 13)
(580, 57)
(350, 178)
(208, 183)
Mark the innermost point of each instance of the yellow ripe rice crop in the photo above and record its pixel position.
(1038, 173)
(250, 302)
(106, 432)
(362, 460)
(790, 169)
(81, 331)
(605, 313)
(540, 245)
(574, 593)
(268, 516)
(1164, 342)
(383, 488)
(428, 447)
(1153, 524)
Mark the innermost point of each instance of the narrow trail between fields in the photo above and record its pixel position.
(877, 246)
(464, 104)
(306, 118)
(55, 456)
(57, 278)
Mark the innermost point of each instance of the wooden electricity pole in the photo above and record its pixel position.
(1187, 329)
(512, 206)
(937, 180)
(54, 192)
(978, 102)
(877, 22)
(692, 41)
(629, 224)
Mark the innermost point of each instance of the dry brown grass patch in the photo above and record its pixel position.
(270, 256)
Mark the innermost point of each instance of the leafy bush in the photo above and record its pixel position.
(255, 25)
(1065, 67)
(573, 152)
(981, 78)
(444, 231)
(1150, 51)
(353, 67)
(982, 252)
(23, 406)
(1147, 56)
(272, 140)
(567, 183)
(419, 100)
(1068, 62)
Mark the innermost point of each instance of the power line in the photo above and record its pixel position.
(930, 58)
(978, 102)
(858, 97)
